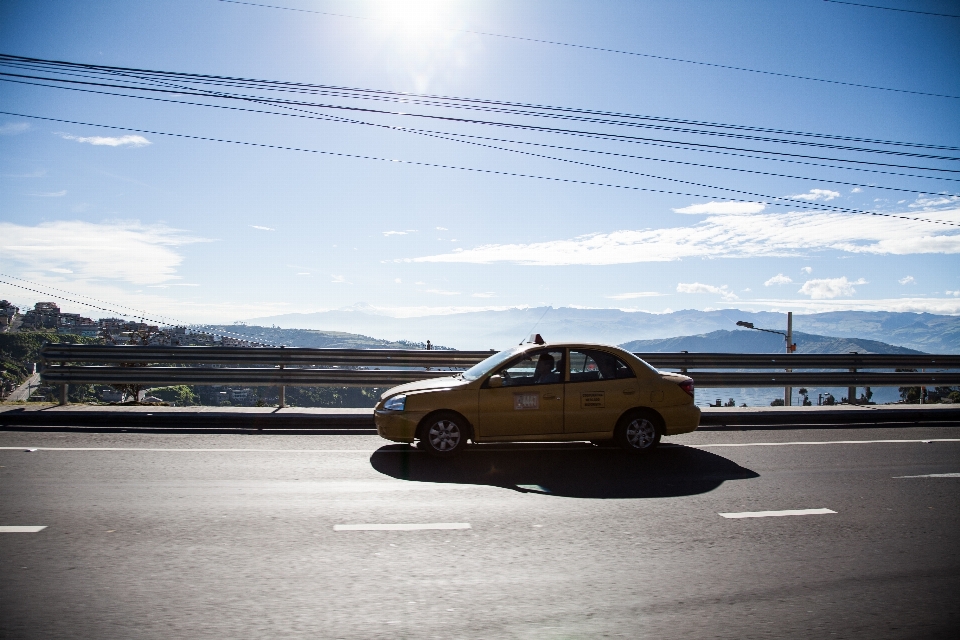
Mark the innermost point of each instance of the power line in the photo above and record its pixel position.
(454, 137)
(873, 6)
(139, 314)
(815, 207)
(90, 70)
(612, 136)
(630, 53)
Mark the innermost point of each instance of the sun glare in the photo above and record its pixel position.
(413, 19)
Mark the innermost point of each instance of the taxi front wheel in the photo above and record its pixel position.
(638, 432)
(444, 434)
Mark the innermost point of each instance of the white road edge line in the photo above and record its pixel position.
(401, 527)
(21, 529)
(411, 450)
(775, 514)
(784, 444)
(933, 475)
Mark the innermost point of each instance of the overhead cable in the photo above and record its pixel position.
(627, 53)
(309, 115)
(543, 129)
(498, 106)
(814, 207)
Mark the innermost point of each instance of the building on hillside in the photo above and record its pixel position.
(7, 313)
(44, 315)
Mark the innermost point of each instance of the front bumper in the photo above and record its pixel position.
(680, 419)
(399, 426)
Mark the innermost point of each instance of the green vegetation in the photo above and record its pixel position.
(18, 350)
(181, 395)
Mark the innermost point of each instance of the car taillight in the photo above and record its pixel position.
(687, 385)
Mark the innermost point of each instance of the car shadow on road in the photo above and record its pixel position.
(569, 472)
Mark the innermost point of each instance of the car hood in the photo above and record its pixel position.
(425, 385)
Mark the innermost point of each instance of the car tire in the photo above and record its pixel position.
(444, 434)
(638, 432)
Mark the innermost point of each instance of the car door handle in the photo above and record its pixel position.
(628, 391)
(550, 397)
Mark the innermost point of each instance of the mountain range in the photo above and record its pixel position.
(499, 329)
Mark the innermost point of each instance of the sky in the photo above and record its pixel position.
(205, 213)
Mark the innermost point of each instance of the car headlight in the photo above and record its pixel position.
(396, 403)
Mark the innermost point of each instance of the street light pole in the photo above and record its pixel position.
(791, 347)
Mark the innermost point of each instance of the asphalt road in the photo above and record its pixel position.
(233, 536)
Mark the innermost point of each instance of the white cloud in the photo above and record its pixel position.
(303, 273)
(927, 202)
(49, 194)
(337, 279)
(637, 294)
(60, 270)
(906, 280)
(101, 141)
(441, 292)
(442, 229)
(485, 294)
(13, 128)
(856, 190)
(829, 288)
(723, 208)
(729, 236)
(394, 233)
(419, 282)
(128, 251)
(806, 269)
(817, 194)
(697, 287)
(256, 226)
(952, 293)
(398, 280)
(778, 279)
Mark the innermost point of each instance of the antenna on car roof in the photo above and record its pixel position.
(535, 326)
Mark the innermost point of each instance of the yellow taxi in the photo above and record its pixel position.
(542, 392)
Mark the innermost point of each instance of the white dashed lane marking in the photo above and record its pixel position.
(933, 475)
(401, 527)
(775, 514)
(21, 529)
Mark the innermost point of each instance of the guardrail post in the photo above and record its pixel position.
(282, 396)
(852, 391)
(64, 388)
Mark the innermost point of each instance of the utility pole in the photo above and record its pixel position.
(788, 391)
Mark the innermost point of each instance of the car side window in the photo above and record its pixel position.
(540, 367)
(588, 365)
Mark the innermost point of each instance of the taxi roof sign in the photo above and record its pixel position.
(536, 339)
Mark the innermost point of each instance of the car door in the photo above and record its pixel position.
(600, 388)
(530, 402)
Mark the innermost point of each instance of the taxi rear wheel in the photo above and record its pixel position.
(444, 434)
(638, 432)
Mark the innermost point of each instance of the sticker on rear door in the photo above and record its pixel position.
(526, 401)
(591, 400)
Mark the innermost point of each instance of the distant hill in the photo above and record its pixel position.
(746, 341)
(500, 329)
(310, 338)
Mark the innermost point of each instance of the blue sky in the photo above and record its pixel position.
(205, 231)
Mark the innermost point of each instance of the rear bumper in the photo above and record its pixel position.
(398, 426)
(680, 419)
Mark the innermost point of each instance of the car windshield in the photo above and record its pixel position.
(482, 368)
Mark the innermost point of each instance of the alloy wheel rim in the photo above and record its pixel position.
(444, 435)
(641, 433)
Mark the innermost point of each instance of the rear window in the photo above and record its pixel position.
(589, 365)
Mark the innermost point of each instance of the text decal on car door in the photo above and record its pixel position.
(591, 400)
(525, 401)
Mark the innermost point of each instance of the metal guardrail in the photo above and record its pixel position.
(388, 367)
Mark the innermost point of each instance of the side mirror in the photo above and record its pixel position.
(495, 382)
